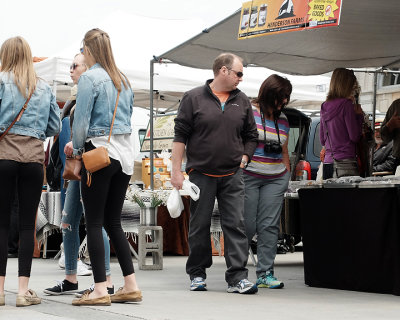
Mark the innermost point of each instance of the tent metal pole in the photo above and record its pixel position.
(151, 125)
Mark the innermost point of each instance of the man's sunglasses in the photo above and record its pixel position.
(238, 73)
(73, 66)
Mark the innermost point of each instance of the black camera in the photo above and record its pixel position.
(272, 147)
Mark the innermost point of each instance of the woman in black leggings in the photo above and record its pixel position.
(105, 99)
(22, 154)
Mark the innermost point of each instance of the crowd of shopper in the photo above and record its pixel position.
(236, 150)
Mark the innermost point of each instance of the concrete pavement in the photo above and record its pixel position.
(166, 296)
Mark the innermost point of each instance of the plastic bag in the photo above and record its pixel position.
(320, 172)
(191, 189)
(175, 204)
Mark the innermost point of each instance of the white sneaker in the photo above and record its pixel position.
(82, 269)
(61, 261)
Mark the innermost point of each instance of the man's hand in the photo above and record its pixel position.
(394, 122)
(177, 179)
(68, 149)
(245, 161)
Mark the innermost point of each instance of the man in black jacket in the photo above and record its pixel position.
(216, 124)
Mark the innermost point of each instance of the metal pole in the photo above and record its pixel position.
(151, 125)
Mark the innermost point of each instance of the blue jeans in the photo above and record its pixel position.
(262, 210)
(71, 216)
(64, 137)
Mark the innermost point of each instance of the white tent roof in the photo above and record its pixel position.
(368, 36)
(149, 36)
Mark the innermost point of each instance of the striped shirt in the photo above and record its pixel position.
(268, 165)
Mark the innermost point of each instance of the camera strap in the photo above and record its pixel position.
(276, 128)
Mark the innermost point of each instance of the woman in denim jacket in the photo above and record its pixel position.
(22, 154)
(103, 199)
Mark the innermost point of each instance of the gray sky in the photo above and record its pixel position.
(52, 25)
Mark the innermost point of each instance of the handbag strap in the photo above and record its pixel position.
(112, 123)
(18, 117)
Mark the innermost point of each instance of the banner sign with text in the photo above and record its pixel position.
(263, 17)
(163, 133)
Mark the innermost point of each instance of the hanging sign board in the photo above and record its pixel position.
(163, 127)
(263, 17)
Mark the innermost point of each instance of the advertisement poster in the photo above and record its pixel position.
(163, 136)
(263, 17)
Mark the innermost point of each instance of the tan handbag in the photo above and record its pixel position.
(68, 174)
(98, 158)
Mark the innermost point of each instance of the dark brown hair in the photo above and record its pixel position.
(272, 92)
(343, 83)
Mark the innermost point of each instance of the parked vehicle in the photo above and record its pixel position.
(304, 145)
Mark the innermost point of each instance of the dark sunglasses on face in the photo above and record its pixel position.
(73, 66)
(239, 74)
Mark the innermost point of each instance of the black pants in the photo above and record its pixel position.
(13, 233)
(28, 179)
(229, 192)
(103, 202)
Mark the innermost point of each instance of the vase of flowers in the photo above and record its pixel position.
(148, 201)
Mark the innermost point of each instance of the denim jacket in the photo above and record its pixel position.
(95, 105)
(41, 118)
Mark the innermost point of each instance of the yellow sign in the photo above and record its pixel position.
(262, 17)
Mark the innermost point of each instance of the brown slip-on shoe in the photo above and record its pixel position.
(28, 299)
(86, 301)
(133, 296)
(2, 299)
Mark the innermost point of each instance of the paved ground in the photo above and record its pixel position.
(166, 295)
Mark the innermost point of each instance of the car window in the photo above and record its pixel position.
(317, 144)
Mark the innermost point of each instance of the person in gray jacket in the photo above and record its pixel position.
(216, 124)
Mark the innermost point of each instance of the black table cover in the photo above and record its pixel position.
(351, 238)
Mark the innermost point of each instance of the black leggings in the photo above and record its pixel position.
(27, 178)
(103, 202)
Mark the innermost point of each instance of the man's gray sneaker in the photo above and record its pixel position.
(243, 286)
(198, 284)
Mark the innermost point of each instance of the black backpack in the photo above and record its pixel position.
(54, 168)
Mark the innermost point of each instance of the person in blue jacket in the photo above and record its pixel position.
(22, 154)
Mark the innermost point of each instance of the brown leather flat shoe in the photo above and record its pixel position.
(133, 296)
(28, 299)
(86, 301)
(2, 299)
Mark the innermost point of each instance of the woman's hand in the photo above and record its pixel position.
(78, 168)
(322, 154)
(358, 109)
(68, 149)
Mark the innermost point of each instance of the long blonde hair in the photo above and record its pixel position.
(16, 58)
(343, 83)
(98, 44)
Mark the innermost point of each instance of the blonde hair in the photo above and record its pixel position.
(16, 58)
(97, 43)
(343, 84)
